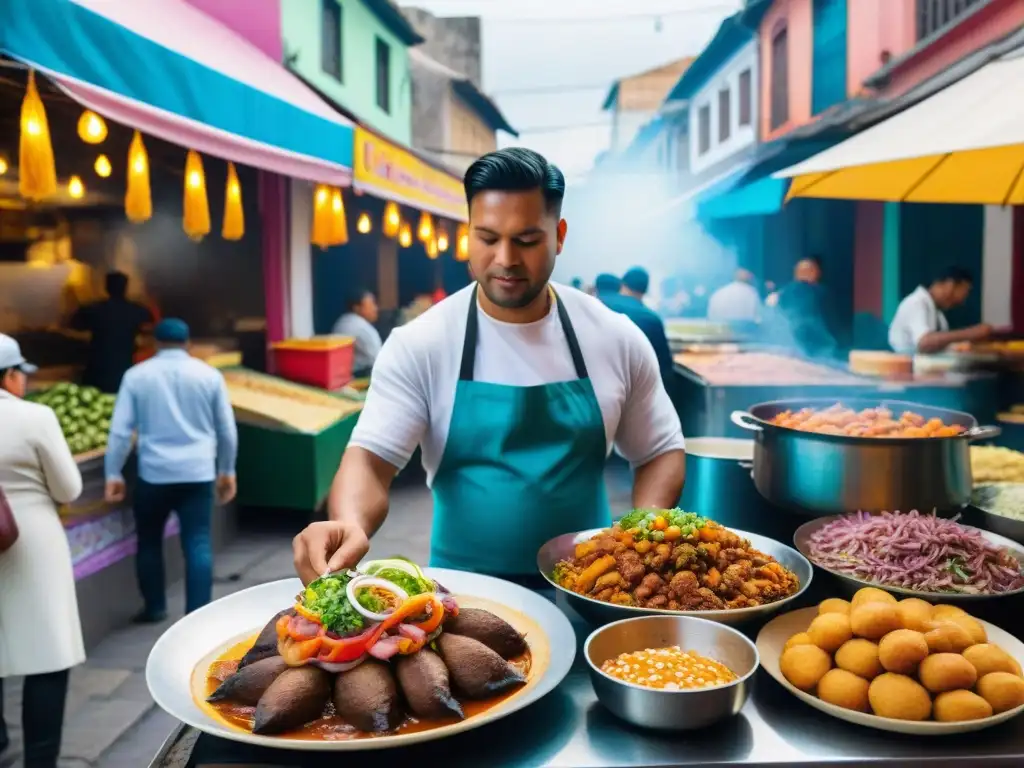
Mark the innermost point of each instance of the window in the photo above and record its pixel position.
(745, 95)
(933, 15)
(330, 38)
(383, 76)
(780, 79)
(724, 115)
(704, 129)
(828, 54)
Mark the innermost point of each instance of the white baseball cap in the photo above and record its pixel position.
(11, 357)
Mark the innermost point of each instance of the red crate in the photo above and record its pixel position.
(324, 362)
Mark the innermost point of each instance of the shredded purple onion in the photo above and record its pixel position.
(914, 551)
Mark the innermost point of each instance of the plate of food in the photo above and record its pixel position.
(670, 561)
(903, 666)
(385, 656)
(914, 555)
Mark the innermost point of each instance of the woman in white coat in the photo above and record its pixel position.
(40, 632)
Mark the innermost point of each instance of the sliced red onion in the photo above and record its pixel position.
(449, 603)
(304, 629)
(415, 634)
(385, 648)
(338, 667)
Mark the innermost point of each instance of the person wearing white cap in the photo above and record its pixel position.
(40, 632)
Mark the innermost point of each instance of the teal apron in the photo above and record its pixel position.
(521, 465)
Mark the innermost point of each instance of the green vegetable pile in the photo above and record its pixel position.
(402, 572)
(84, 414)
(327, 599)
(642, 523)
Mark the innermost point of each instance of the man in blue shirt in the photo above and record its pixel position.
(179, 410)
(630, 303)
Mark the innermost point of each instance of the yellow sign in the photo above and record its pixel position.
(393, 173)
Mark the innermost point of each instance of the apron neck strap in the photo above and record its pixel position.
(472, 333)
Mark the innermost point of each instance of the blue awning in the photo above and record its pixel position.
(760, 197)
(167, 69)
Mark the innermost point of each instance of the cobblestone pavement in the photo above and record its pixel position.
(110, 719)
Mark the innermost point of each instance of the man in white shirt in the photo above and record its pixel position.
(515, 390)
(360, 314)
(736, 302)
(920, 326)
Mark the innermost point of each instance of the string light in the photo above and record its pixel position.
(392, 220)
(76, 189)
(102, 166)
(405, 235)
(91, 128)
(364, 225)
(138, 202)
(425, 230)
(3, 166)
(442, 240)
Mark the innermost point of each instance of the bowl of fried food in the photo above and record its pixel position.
(904, 666)
(666, 561)
(671, 673)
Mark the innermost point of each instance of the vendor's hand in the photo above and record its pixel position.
(114, 491)
(327, 547)
(227, 488)
(980, 332)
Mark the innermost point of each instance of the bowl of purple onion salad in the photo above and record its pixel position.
(913, 555)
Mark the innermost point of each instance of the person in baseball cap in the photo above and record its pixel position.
(14, 368)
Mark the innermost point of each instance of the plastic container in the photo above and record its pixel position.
(324, 362)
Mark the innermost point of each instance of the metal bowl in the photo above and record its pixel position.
(598, 612)
(983, 498)
(680, 710)
(850, 584)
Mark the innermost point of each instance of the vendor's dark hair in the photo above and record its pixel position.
(516, 169)
(956, 274)
(117, 284)
(355, 297)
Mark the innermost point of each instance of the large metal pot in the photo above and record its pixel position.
(830, 474)
(718, 480)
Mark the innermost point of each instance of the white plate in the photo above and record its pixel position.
(776, 632)
(202, 636)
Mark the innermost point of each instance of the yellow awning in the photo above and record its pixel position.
(965, 144)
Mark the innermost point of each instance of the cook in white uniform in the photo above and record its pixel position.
(516, 390)
(736, 302)
(40, 634)
(920, 326)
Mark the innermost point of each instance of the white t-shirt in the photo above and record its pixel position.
(412, 389)
(366, 339)
(915, 316)
(735, 302)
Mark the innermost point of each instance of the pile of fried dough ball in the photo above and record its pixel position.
(905, 660)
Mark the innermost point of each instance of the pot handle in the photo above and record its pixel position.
(745, 420)
(746, 465)
(983, 433)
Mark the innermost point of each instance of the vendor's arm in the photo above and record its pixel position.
(932, 342)
(392, 423)
(649, 435)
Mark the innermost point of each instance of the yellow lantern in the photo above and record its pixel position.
(339, 226)
(442, 240)
(392, 220)
(138, 203)
(233, 227)
(425, 230)
(462, 243)
(76, 189)
(405, 235)
(364, 225)
(321, 234)
(91, 128)
(102, 166)
(3, 166)
(37, 172)
(431, 248)
(196, 221)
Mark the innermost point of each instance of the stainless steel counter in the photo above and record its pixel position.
(570, 728)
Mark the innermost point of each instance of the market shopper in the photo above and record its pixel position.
(40, 631)
(606, 285)
(630, 302)
(803, 312)
(113, 323)
(361, 313)
(920, 325)
(737, 301)
(515, 390)
(178, 407)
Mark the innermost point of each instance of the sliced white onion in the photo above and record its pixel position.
(338, 667)
(373, 581)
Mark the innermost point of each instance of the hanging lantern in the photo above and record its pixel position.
(462, 243)
(339, 224)
(364, 225)
(37, 173)
(138, 203)
(405, 235)
(233, 226)
(76, 189)
(442, 240)
(102, 166)
(392, 220)
(196, 221)
(425, 230)
(91, 128)
(431, 248)
(321, 234)
(3, 166)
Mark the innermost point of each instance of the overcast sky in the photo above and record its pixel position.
(549, 63)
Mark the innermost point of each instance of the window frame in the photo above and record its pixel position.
(382, 54)
(724, 113)
(327, 67)
(778, 91)
(703, 129)
(745, 96)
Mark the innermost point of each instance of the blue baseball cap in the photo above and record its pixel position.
(171, 331)
(605, 283)
(637, 280)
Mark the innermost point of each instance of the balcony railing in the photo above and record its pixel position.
(933, 15)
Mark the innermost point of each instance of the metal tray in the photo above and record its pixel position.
(598, 612)
(851, 584)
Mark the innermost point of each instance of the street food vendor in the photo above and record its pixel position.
(920, 325)
(515, 389)
(114, 323)
(358, 323)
